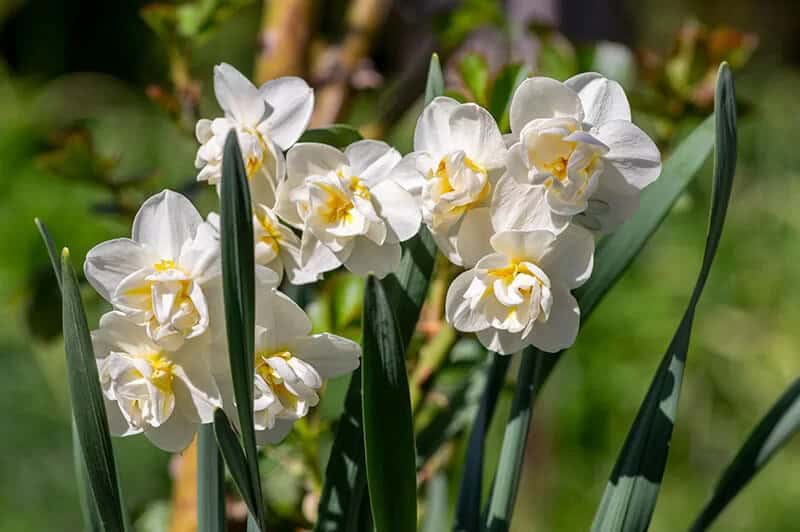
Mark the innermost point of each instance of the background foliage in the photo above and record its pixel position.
(96, 105)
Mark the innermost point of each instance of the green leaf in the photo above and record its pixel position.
(474, 72)
(388, 427)
(238, 285)
(210, 482)
(55, 262)
(506, 82)
(468, 510)
(772, 432)
(435, 85)
(630, 496)
(88, 505)
(237, 462)
(336, 135)
(88, 407)
(436, 504)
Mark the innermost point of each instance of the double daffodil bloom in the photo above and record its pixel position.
(157, 277)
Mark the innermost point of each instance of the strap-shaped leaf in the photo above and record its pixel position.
(772, 432)
(436, 504)
(388, 427)
(88, 407)
(337, 135)
(235, 459)
(630, 497)
(210, 482)
(238, 285)
(468, 509)
(506, 82)
(435, 84)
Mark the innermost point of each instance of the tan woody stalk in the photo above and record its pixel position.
(285, 32)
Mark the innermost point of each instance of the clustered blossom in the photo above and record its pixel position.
(520, 212)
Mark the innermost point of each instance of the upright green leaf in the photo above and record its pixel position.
(91, 516)
(88, 407)
(630, 498)
(772, 432)
(435, 84)
(436, 504)
(388, 427)
(210, 482)
(506, 82)
(238, 285)
(336, 135)
(228, 445)
(468, 510)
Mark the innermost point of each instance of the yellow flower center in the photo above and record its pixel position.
(162, 372)
(337, 206)
(271, 237)
(164, 265)
(273, 378)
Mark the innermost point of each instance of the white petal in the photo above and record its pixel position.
(603, 99)
(474, 131)
(542, 98)
(369, 258)
(371, 160)
(432, 133)
(312, 158)
(631, 152)
(457, 308)
(196, 392)
(165, 222)
(275, 434)
(117, 424)
(398, 209)
(561, 329)
(237, 96)
(612, 203)
(410, 172)
(523, 245)
(571, 257)
(474, 236)
(517, 205)
(108, 263)
(174, 435)
(292, 102)
(316, 258)
(502, 342)
(202, 130)
(330, 355)
(119, 333)
(282, 318)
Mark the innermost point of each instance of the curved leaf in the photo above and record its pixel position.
(388, 427)
(630, 497)
(228, 444)
(336, 135)
(435, 84)
(210, 482)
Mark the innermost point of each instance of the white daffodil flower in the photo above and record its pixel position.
(277, 247)
(519, 293)
(349, 207)
(267, 120)
(290, 363)
(458, 156)
(163, 394)
(576, 156)
(157, 277)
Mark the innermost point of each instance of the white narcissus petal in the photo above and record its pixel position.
(446, 241)
(117, 424)
(410, 172)
(542, 98)
(282, 319)
(292, 102)
(561, 329)
(432, 133)
(116, 332)
(612, 203)
(174, 435)
(499, 341)
(196, 392)
(474, 131)
(631, 152)
(165, 222)
(108, 263)
(368, 258)
(398, 208)
(312, 158)
(315, 257)
(603, 99)
(276, 434)
(457, 307)
(474, 236)
(237, 96)
(203, 130)
(570, 258)
(330, 355)
(523, 245)
(371, 160)
(517, 205)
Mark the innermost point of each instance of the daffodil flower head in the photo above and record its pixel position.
(458, 156)
(267, 120)
(349, 206)
(576, 157)
(163, 394)
(157, 277)
(518, 293)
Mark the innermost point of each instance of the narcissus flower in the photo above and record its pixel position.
(577, 156)
(157, 277)
(267, 121)
(348, 205)
(163, 394)
(290, 363)
(458, 157)
(519, 293)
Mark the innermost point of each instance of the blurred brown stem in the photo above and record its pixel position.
(285, 31)
(184, 491)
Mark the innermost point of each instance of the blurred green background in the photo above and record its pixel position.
(97, 105)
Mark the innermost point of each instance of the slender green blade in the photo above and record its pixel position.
(436, 504)
(631, 494)
(238, 285)
(55, 261)
(88, 504)
(337, 135)
(88, 406)
(506, 82)
(235, 459)
(388, 427)
(435, 84)
(468, 510)
(210, 482)
(772, 432)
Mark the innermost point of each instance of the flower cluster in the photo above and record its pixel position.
(519, 212)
